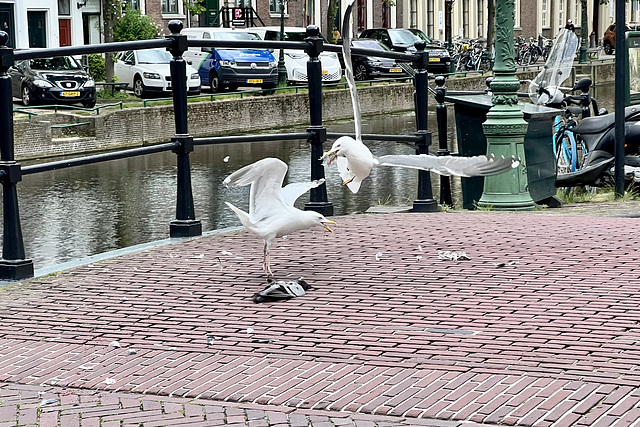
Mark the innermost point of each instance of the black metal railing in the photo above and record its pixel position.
(15, 265)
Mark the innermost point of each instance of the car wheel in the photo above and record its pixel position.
(360, 72)
(26, 96)
(138, 87)
(89, 104)
(214, 82)
(608, 48)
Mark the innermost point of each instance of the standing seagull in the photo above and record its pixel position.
(355, 161)
(271, 212)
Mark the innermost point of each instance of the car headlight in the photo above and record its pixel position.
(90, 83)
(195, 76)
(273, 64)
(42, 83)
(296, 55)
(151, 76)
(227, 63)
(330, 55)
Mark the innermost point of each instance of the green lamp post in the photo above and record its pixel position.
(505, 126)
(282, 70)
(583, 44)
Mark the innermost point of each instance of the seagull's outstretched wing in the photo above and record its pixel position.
(291, 192)
(451, 165)
(266, 177)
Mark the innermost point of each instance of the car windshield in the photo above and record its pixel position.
(368, 44)
(235, 35)
(402, 37)
(61, 63)
(421, 35)
(290, 36)
(154, 56)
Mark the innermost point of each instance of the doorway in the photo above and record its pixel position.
(7, 24)
(37, 23)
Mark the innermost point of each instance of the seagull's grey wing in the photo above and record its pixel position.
(348, 70)
(291, 192)
(452, 165)
(266, 177)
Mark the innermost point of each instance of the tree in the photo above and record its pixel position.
(112, 10)
(491, 23)
(132, 25)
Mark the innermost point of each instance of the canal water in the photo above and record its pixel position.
(73, 213)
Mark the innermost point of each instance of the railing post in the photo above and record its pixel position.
(318, 201)
(443, 145)
(185, 224)
(425, 201)
(13, 265)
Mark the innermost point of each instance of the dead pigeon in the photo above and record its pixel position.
(281, 290)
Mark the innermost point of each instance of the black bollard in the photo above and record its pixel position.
(185, 224)
(443, 145)
(318, 200)
(425, 201)
(13, 265)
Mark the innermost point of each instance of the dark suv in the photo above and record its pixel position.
(60, 80)
(403, 40)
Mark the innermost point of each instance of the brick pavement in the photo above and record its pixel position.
(539, 328)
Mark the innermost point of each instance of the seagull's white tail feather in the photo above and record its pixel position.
(453, 165)
(242, 215)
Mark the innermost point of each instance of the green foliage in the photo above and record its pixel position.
(96, 67)
(195, 7)
(134, 26)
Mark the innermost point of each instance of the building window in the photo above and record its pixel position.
(430, 20)
(413, 14)
(274, 7)
(64, 7)
(465, 18)
(135, 5)
(561, 14)
(362, 14)
(481, 18)
(169, 6)
(544, 13)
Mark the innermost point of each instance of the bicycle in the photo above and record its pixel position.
(570, 151)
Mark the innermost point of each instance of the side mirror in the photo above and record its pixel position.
(190, 62)
(206, 49)
(129, 62)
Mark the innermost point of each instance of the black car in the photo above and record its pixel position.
(403, 40)
(368, 67)
(60, 80)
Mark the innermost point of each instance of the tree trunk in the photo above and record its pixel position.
(112, 10)
(331, 16)
(491, 23)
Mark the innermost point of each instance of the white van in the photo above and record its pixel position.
(296, 60)
(230, 67)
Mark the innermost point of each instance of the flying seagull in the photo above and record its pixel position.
(355, 161)
(271, 212)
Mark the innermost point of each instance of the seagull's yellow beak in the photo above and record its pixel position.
(324, 224)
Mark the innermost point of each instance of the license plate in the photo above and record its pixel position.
(69, 94)
(434, 59)
(254, 80)
(395, 70)
(325, 72)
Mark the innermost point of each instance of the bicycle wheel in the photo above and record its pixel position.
(581, 154)
(564, 159)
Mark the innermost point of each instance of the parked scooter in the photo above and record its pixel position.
(595, 131)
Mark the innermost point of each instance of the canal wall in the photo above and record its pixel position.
(65, 132)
